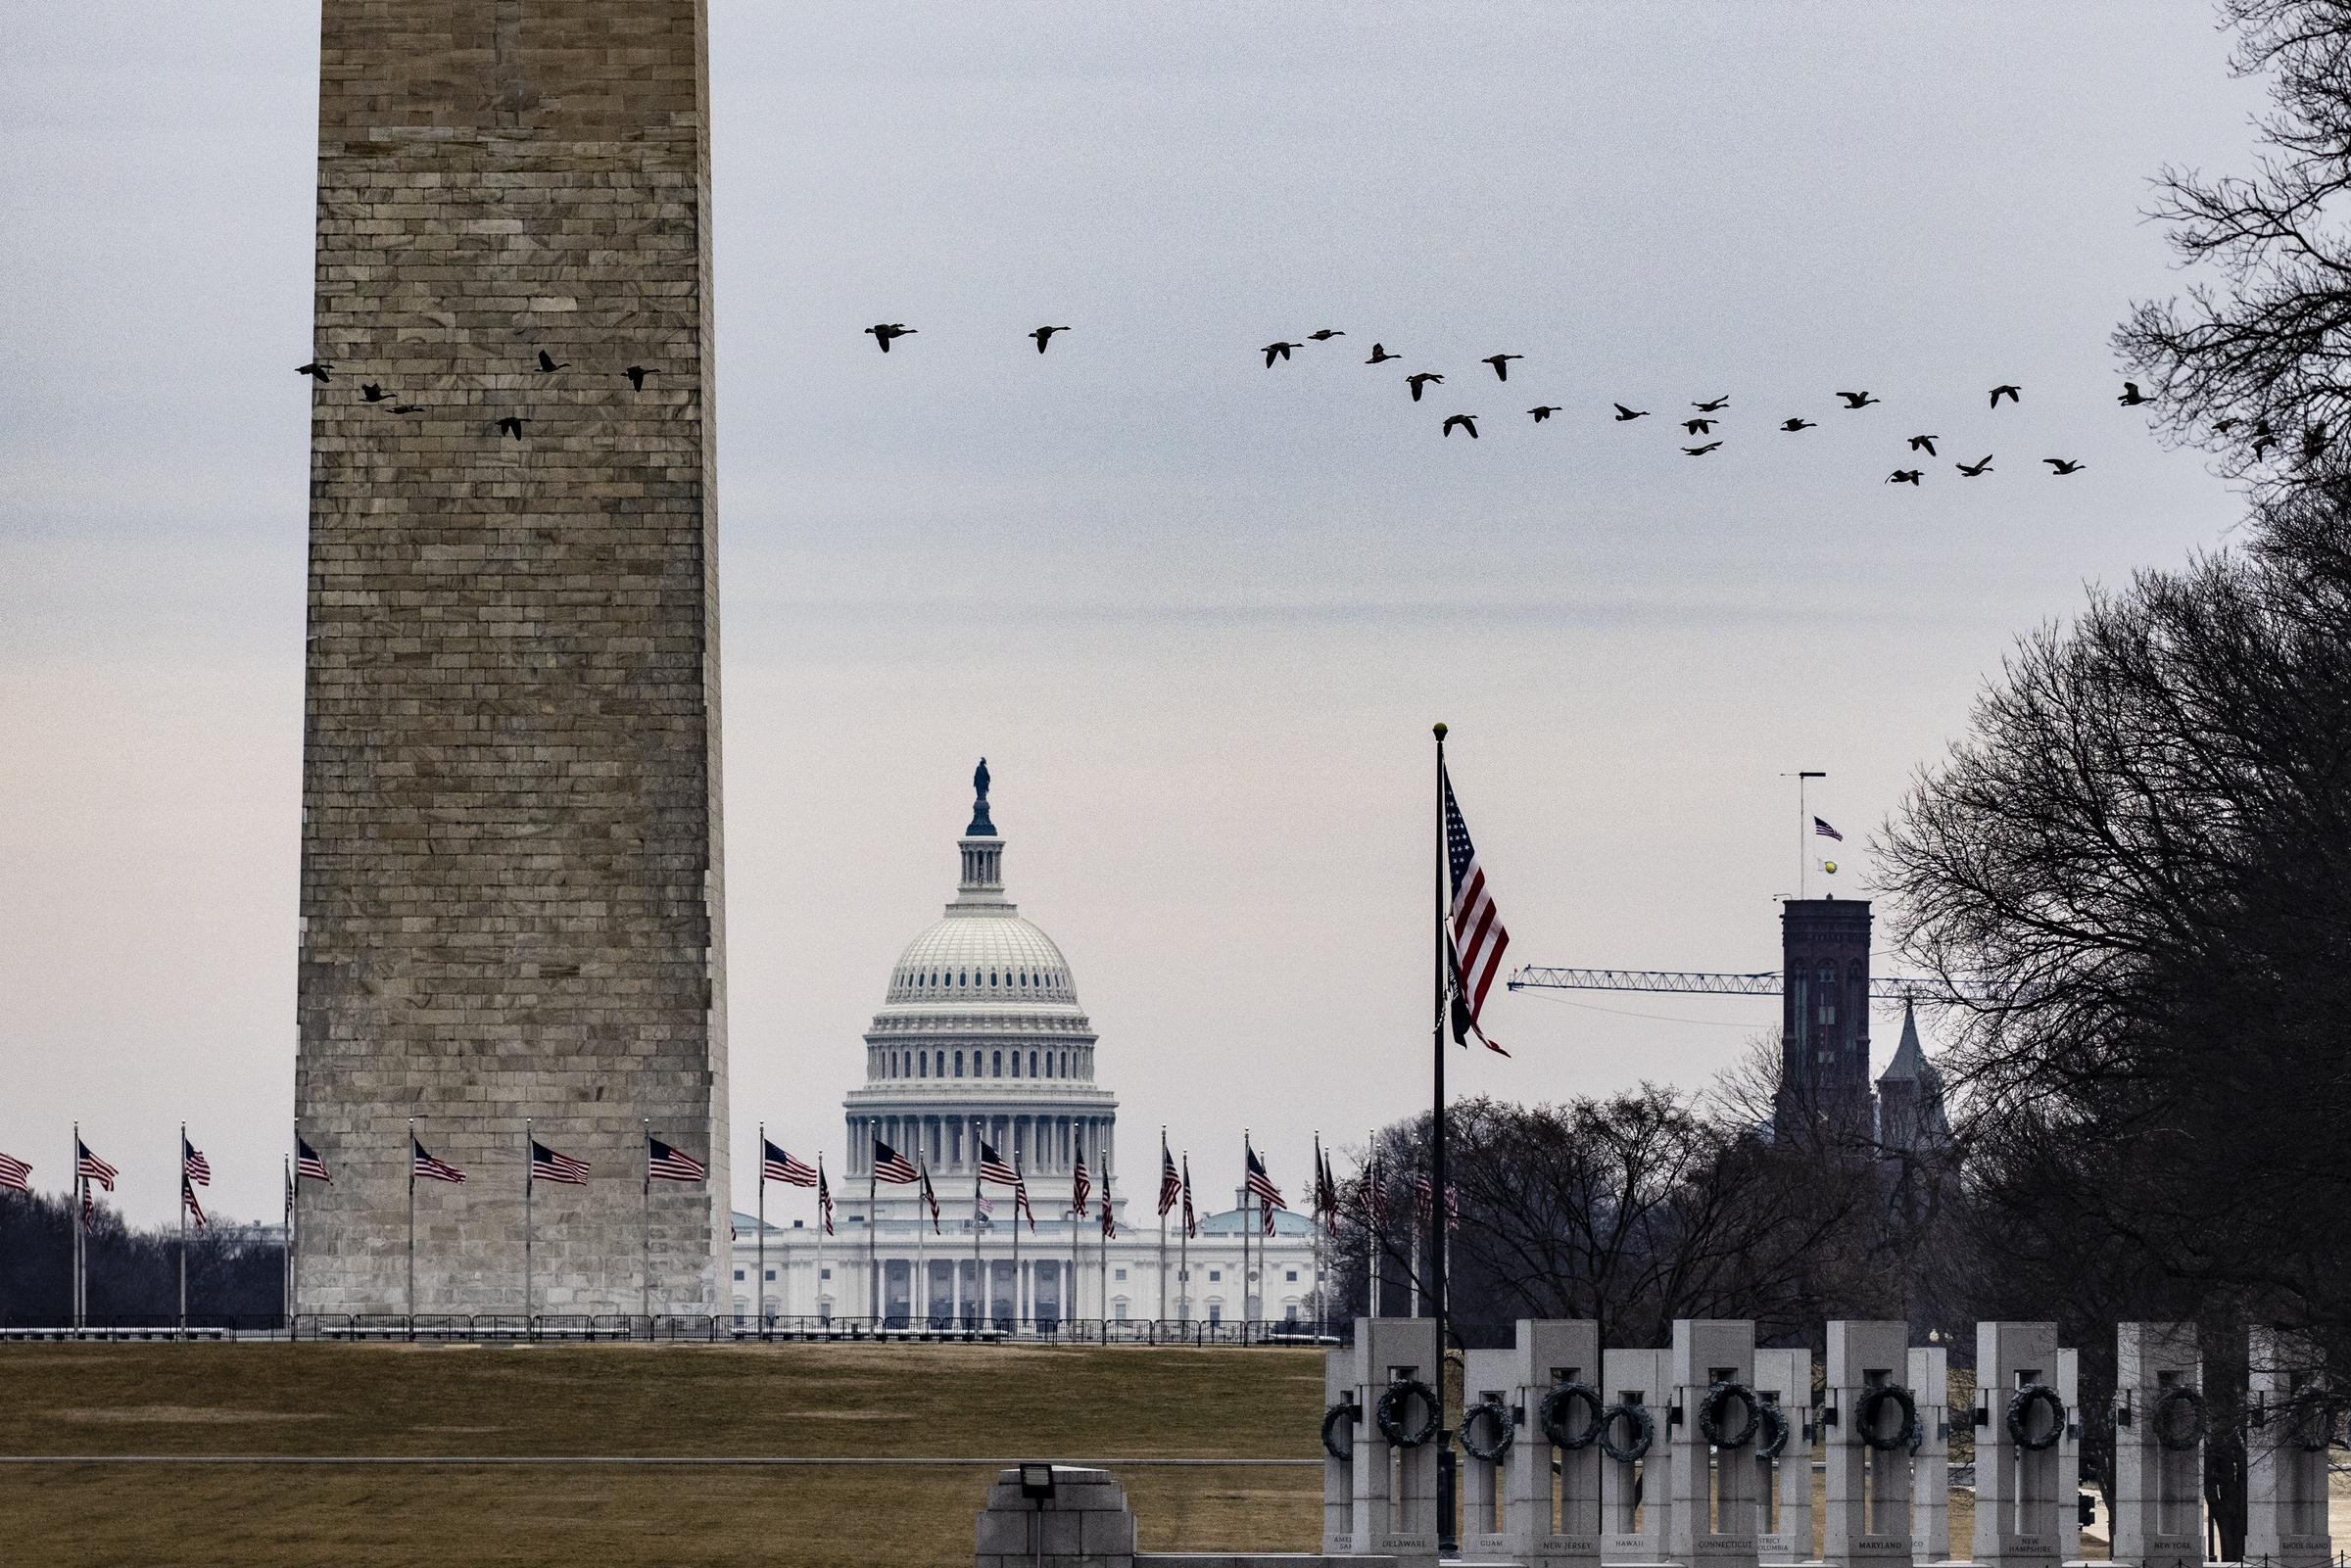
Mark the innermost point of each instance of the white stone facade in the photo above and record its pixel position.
(981, 1040)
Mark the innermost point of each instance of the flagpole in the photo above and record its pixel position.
(1020, 1194)
(183, 1231)
(1184, 1252)
(292, 1233)
(979, 1301)
(288, 1292)
(1163, 1230)
(80, 1290)
(411, 1225)
(759, 1285)
(644, 1278)
(1322, 1224)
(1107, 1222)
(530, 1181)
(918, 1295)
(1076, 1231)
(872, 1224)
(1436, 1283)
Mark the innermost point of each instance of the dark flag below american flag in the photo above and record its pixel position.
(776, 1165)
(187, 1197)
(549, 1166)
(1082, 1187)
(892, 1168)
(307, 1167)
(431, 1169)
(90, 1168)
(14, 1175)
(1170, 1185)
(664, 1162)
(193, 1166)
(1477, 938)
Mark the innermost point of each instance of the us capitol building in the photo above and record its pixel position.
(980, 1039)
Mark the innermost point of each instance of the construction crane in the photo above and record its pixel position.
(1765, 982)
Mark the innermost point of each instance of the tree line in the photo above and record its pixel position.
(236, 1271)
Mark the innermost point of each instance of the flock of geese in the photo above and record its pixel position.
(1699, 427)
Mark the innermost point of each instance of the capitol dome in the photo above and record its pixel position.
(981, 956)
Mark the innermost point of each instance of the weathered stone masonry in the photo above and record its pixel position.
(510, 871)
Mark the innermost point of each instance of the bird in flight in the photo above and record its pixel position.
(1712, 405)
(1904, 476)
(1980, 466)
(2130, 397)
(2063, 465)
(888, 330)
(549, 363)
(1542, 411)
(1858, 400)
(1468, 423)
(372, 392)
(2222, 427)
(637, 374)
(1044, 335)
(1502, 365)
(1925, 443)
(1278, 351)
(2263, 440)
(1380, 355)
(512, 425)
(1623, 413)
(1700, 452)
(1326, 335)
(2012, 393)
(1421, 381)
(1792, 424)
(1697, 427)
(2313, 443)
(407, 407)
(318, 370)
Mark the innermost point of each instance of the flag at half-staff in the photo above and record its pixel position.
(1269, 1196)
(307, 1167)
(428, 1169)
(666, 1163)
(894, 1167)
(1191, 1226)
(1327, 1189)
(1110, 1220)
(931, 1199)
(824, 1196)
(1476, 939)
(14, 1175)
(776, 1165)
(1082, 1187)
(548, 1165)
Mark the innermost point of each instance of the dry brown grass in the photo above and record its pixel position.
(808, 1401)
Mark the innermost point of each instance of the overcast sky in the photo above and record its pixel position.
(1199, 615)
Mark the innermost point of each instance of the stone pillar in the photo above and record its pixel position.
(1636, 1496)
(1395, 1512)
(1784, 1515)
(1085, 1523)
(2158, 1444)
(1339, 1383)
(2289, 1419)
(2023, 1503)
(1867, 1506)
(1547, 1519)
(1714, 1486)
(2069, 1455)
(1931, 1465)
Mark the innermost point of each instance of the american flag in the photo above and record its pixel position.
(894, 1167)
(985, 1204)
(90, 1168)
(1170, 1185)
(1019, 1203)
(307, 1167)
(192, 1164)
(1110, 1220)
(993, 1168)
(1376, 1197)
(1453, 1202)
(1082, 1187)
(187, 1196)
(549, 1166)
(1822, 830)
(1478, 940)
(824, 1196)
(776, 1165)
(14, 1175)
(931, 1199)
(1326, 1190)
(431, 1169)
(1191, 1226)
(663, 1163)
(1255, 1179)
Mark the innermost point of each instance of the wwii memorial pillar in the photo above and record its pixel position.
(510, 845)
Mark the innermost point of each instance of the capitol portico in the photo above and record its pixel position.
(980, 1039)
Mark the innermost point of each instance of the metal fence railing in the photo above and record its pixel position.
(699, 1328)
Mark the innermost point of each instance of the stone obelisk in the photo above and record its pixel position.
(510, 844)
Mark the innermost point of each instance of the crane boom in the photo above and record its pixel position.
(1765, 982)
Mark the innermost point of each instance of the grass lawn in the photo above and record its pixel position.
(983, 1401)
